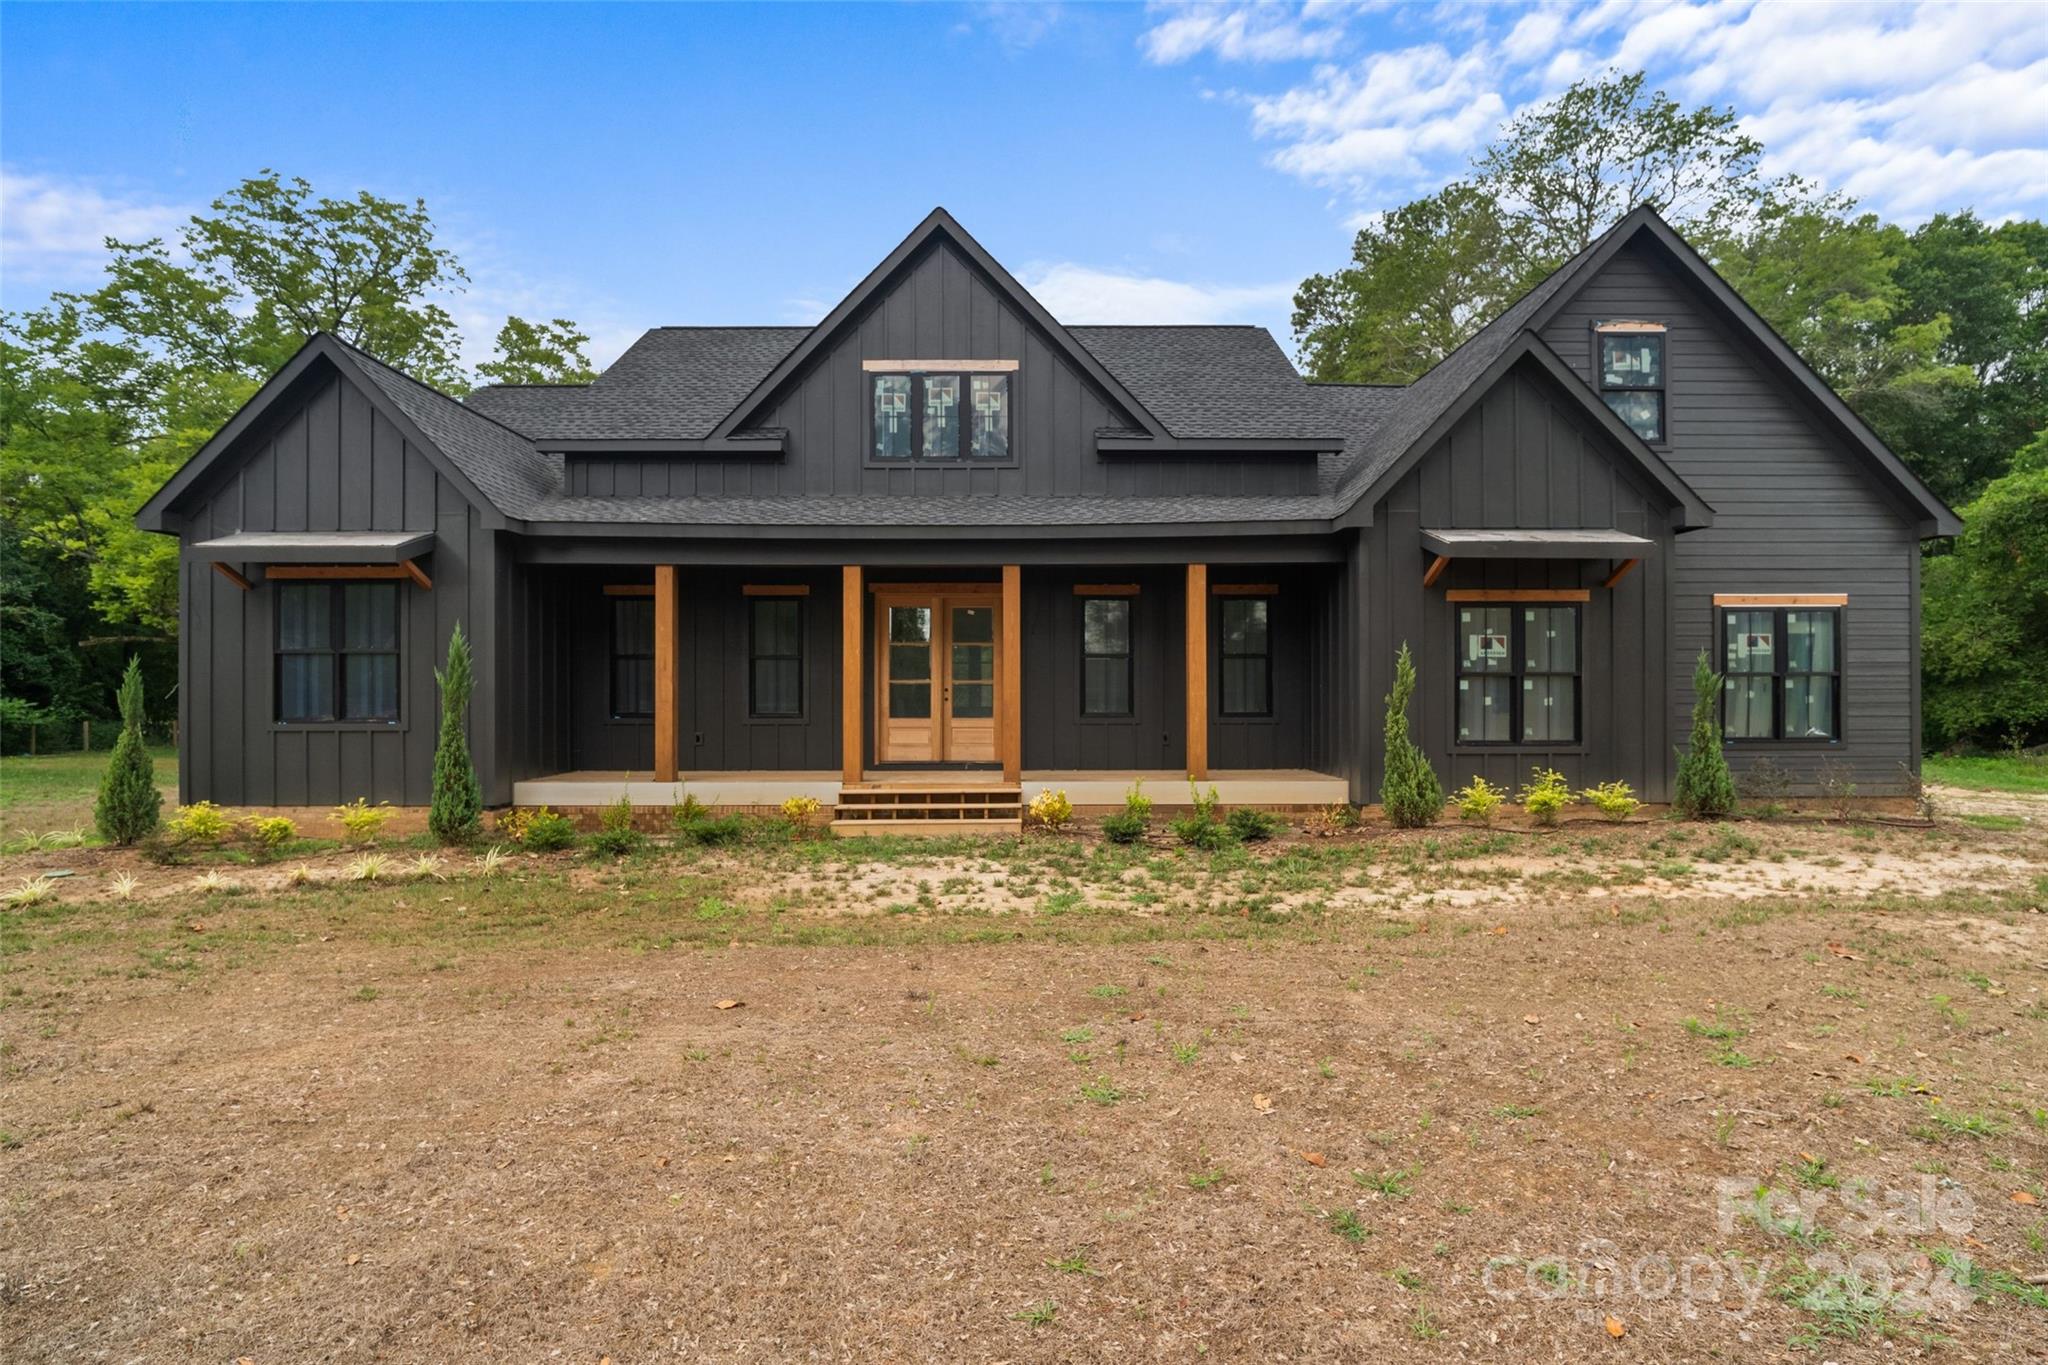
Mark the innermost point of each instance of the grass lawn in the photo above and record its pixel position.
(55, 792)
(2000, 774)
(1043, 1098)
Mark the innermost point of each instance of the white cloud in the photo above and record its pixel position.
(53, 229)
(1243, 32)
(1084, 294)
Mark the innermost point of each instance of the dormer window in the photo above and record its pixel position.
(1631, 364)
(940, 411)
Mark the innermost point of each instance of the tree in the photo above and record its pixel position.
(1411, 794)
(538, 353)
(457, 797)
(129, 803)
(1706, 789)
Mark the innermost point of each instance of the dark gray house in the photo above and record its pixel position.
(940, 550)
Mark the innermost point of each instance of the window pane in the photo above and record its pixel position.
(778, 687)
(305, 687)
(1631, 360)
(1550, 639)
(1106, 625)
(1244, 625)
(975, 625)
(1483, 710)
(369, 615)
(1809, 642)
(1549, 709)
(1642, 409)
(633, 625)
(1748, 643)
(908, 625)
(370, 686)
(941, 416)
(974, 701)
(1106, 686)
(973, 663)
(303, 612)
(1810, 707)
(892, 417)
(910, 701)
(1244, 686)
(910, 662)
(1483, 635)
(1746, 710)
(776, 629)
(633, 687)
(991, 416)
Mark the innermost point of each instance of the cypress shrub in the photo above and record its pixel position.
(1411, 794)
(458, 799)
(1706, 790)
(129, 803)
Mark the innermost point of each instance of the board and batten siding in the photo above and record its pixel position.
(329, 461)
(1794, 512)
(1524, 457)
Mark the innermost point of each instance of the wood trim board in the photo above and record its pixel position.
(1010, 676)
(1245, 590)
(852, 695)
(1781, 599)
(667, 704)
(1519, 595)
(1105, 590)
(775, 590)
(1198, 671)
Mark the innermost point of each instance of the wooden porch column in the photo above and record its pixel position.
(1010, 686)
(667, 706)
(852, 680)
(1198, 670)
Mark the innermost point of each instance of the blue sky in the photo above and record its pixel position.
(629, 166)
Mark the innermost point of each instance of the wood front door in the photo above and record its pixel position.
(935, 689)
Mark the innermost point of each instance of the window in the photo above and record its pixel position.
(632, 658)
(1631, 356)
(775, 658)
(337, 653)
(1105, 656)
(1518, 674)
(1782, 673)
(1247, 656)
(941, 417)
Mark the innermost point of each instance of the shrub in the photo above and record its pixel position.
(1765, 784)
(458, 800)
(615, 833)
(687, 812)
(1051, 809)
(544, 830)
(271, 832)
(1253, 825)
(362, 822)
(1616, 800)
(202, 822)
(712, 831)
(1705, 790)
(1130, 824)
(1837, 783)
(801, 812)
(1333, 819)
(1545, 795)
(1478, 800)
(1411, 793)
(129, 806)
(1199, 828)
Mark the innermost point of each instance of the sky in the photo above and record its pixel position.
(629, 166)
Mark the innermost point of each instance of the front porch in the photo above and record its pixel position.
(765, 791)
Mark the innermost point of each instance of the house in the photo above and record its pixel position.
(941, 550)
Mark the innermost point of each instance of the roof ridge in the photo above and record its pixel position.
(732, 327)
(486, 388)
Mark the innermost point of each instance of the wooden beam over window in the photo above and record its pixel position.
(231, 574)
(1626, 567)
(851, 624)
(775, 590)
(921, 366)
(1519, 595)
(667, 704)
(629, 590)
(1105, 590)
(1781, 599)
(1244, 589)
(288, 572)
(1198, 671)
(1435, 570)
(1010, 688)
(937, 589)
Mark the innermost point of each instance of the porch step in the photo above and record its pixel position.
(903, 808)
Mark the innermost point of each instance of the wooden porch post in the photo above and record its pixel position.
(851, 678)
(667, 707)
(1198, 670)
(1010, 687)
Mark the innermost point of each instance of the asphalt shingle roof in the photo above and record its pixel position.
(913, 512)
(1211, 382)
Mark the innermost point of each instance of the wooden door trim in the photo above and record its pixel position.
(887, 595)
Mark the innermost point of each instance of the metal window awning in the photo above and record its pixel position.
(316, 547)
(1490, 544)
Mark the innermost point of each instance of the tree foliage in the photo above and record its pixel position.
(538, 353)
(1705, 788)
(457, 797)
(129, 804)
(1411, 793)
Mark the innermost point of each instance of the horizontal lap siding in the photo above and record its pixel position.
(1794, 512)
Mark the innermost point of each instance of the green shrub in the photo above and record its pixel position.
(458, 800)
(129, 806)
(1616, 800)
(1705, 789)
(1327, 821)
(362, 822)
(1545, 795)
(543, 830)
(1199, 828)
(1130, 824)
(202, 822)
(271, 832)
(1051, 809)
(687, 812)
(1478, 800)
(712, 831)
(1253, 825)
(1411, 793)
(615, 833)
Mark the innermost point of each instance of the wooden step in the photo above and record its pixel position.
(929, 808)
(974, 825)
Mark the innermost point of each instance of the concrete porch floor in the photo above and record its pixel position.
(1240, 787)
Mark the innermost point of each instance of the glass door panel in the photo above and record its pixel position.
(906, 733)
(971, 683)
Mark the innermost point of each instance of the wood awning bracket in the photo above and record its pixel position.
(1622, 571)
(232, 575)
(1436, 570)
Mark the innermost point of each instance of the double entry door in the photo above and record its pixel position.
(935, 690)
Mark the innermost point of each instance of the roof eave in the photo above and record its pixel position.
(1218, 445)
(775, 445)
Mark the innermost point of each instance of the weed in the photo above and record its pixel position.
(1345, 1223)
(1202, 1180)
(1038, 1314)
(368, 868)
(1101, 1091)
(29, 891)
(1387, 1184)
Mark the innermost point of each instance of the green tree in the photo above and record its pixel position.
(1706, 789)
(538, 353)
(129, 803)
(1410, 793)
(457, 797)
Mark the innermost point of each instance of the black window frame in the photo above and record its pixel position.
(1662, 388)
(1129, 655)
(617, 655)
(755, 656)
(1223, 653)
(337, 654)
(963, 457)
(1518, 653)
(1781, 669)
